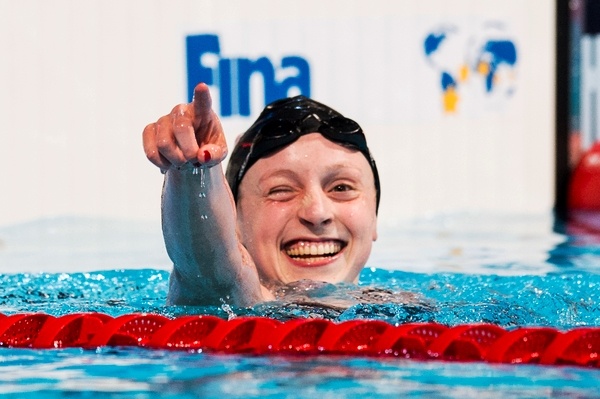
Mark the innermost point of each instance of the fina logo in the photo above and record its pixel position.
(232, 75)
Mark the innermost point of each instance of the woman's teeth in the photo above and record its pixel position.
(314, 249)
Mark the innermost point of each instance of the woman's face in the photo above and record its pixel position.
(308, 212)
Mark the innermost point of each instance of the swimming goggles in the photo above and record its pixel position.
(283, 122)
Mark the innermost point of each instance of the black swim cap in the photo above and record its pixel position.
(281, 123)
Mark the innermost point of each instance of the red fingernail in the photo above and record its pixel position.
(207, 156)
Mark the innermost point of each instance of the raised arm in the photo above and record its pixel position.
(198, 212)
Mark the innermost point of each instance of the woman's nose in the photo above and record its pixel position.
(316, 209)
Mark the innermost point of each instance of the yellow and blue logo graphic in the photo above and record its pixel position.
(485, 62)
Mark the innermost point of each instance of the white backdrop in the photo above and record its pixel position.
(79, 80)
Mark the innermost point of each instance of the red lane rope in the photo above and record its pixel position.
(261, 335)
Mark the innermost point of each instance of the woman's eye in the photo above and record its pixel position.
(343, 191)
(280, 193)
(342, 187)
(277, 190)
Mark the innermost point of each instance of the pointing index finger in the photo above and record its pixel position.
(202, 102)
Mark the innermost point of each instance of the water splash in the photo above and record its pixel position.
(227, 309)
(202, 178)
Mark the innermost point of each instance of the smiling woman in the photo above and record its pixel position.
(301, 203)
(308, 212)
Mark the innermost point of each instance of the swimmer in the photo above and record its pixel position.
(298, 202)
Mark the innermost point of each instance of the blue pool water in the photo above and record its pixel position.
(507, 270)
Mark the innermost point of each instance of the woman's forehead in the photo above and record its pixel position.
(310, 153)
(315, 149)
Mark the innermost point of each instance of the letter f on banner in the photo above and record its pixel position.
(197, 46)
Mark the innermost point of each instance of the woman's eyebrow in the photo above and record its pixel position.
(286, 173)
(344, 168)
(331, 171)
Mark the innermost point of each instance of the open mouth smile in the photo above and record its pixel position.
(313, 251)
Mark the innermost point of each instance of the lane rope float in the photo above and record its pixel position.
(264, 336)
